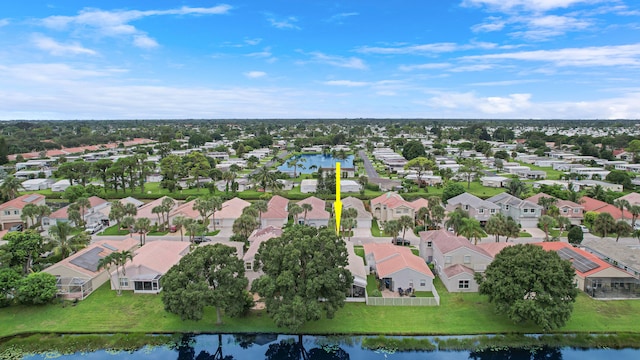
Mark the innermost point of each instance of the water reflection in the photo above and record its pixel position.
(543, 353)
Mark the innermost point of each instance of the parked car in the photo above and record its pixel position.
(17, 227)
(172, 228)
(200, 239)
(400, 241)
(93, 228)
(584, 228)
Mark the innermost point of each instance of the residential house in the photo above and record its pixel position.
(495, 181)
(455, 259)
(146, 210)
(477, 208)
(574, 212)
(97, 213)
(594, 276)
(364, 217)
(317, 216)
(60, 185)
(622, 256)
(345, 172)
(78, 275)
(11, 211)
(391, 206)
(524, 212)
(144, 272)
(277, 213)
(633, 198)
(397, 267)
(229, 212)
(36, 184)
(308, 186)
(598, 206)
(185, 210)
(255, 240)
(358, 271)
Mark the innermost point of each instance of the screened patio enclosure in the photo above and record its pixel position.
(612, 288)
(147, 285)
(74, 287)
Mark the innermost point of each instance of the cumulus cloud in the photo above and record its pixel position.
(338, 61)
(283, 23)
(117, 23)
(339, 18)
(59, 49)
(428, 66)
(255, 74)
(487, 105)
(529, 5)
(4, 22)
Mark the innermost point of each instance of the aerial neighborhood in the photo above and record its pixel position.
(426, 208)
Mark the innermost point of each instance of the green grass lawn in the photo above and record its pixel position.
(158, 233)
(551, 174)
(423, 293)
(524, 234)
(468, 313)
(359, 250)
(114, 231)
(375, 229)
(213, 233)
(372, 285)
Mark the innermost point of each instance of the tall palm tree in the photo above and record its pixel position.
(422, 214)
(142, 226)
(130, 209)
(121, 259)
(158, 211)
(117, 211)
(406, 223)
(296, 162)
(83, 206)
(127, 222)
(60, 235)
(392, 228)
(348, 224)
(29, 214)
(545, 223)
(622, 228)
(262, 206)
(455, 219)
(295, 210)
(43, 211)
(179, 222)
(634, 210)
(621, 204)
(306, 207)
(244, 225)
(11, 187)
(106, 263)
(167, 205)
(471, 229)
(263, 176)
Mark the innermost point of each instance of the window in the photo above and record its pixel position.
(248, 266)
(124, 282)
(7, 212)
(576, 211)
(564, 210)
(447, 259)
(429, 243)
(525, 211)
(466, 207)
(467, 259)
(463, 284)
(506, 207)
(480, 211)
(423, 282)
(493, 211)
(16, 212)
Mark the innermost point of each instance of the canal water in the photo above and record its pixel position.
(285, 347)
(319, 161)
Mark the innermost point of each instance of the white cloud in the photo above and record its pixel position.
(253, 42)
(471, 68)
(530, 5)
(429, 66)
(116, 23)
(58, 49)
(503, 83)
(426, 49)
(283, 23)
(491, 24)
(4, 22)
(347, 83)
(487, 105)
(255, 74)
(338, 18)
(621, 55)
(544, 27)
(338, 61)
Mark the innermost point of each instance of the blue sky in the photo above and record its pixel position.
(65, 59)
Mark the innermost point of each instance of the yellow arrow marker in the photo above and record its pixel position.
(338, 204)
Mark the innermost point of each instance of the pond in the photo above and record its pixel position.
(314, 161)
(282, 347)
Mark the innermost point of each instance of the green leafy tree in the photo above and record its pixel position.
(262, 206)
(142, 226)
(511, 229)
(413, 149)
(392, 228)
(37, 289)
(296, 162)
(575, 235)
(471, 168)
(516, 187)
(527, 283)
(9, 281)
(294, 211)
(209, 276)
(21, 249)
(420, 165)
(244, 225)
(452, 189)
(179, 222)
(604, 224)
(305, 275)
(634, 210)
(29, 214)
(406, 223)
(63, 245)
(10, 187)
(621, 204)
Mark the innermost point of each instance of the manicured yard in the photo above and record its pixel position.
(213, 233)
(114, 231)
(375, 229)
(524, 234)
(423, 293)
(104, 311)
(372, 285)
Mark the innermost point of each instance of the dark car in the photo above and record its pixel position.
(401, 241)
(17, 227)
(200, 239)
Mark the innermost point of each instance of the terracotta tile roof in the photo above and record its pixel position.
(186, 210)
(457, 269)
(419, 203)
(494, 248)
(145, 210)
(156, 256)
(446, 242)
(232, 209)
(353, 202)
(390, 259)
(22, 200)
(317, 208)
(556, 245)
(277, 208)
(119, 245)
(63, 212)
(633, 198)
(559, 202)
(598, 206)
(258, 237)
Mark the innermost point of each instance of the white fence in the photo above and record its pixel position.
(405, 301)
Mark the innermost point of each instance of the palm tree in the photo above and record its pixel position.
(11, 187)
(455, 219)
(348, 224)
(636, 234)
(167, 205)
(406, 222)
(227, 177)
(264, 177)
(262, 206)
(83, 205)
(142, 226)
(546, 202)
(106, 263)
(296, 162)
(622, 228)
(179, 222)
(563, 222)
(437, 214)
(471, 229)
(496, 226)
(60, 235)
(29, 214)
(634, 210)
(117, 212)
(127, 222)
(392, 228)
(306, 207)
(422, 214)
(470, 167)
(604, 224)
(295, 210)
(121, 262)
(516, 187)
(43, 211)
(244, 225)
(621, 204)
(158, 211)
(545, 223)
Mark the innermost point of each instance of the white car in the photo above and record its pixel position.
(584, 228)
(92, 229)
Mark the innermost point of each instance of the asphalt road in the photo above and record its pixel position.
(368, 166)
